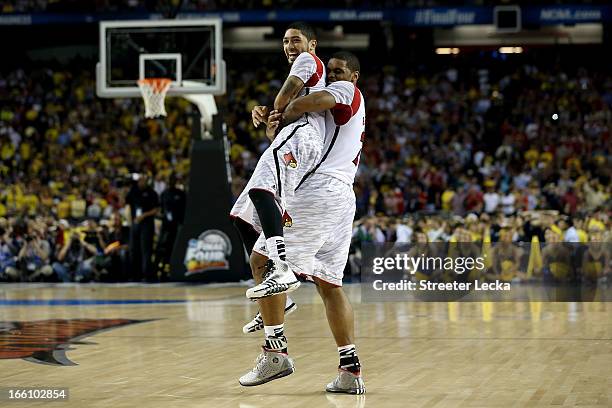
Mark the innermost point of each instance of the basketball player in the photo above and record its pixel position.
(293, 153)
(322, 209)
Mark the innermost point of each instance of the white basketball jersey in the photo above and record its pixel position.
(311, 70)
(345, 132)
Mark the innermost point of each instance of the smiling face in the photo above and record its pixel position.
(338, 70)
(295, 43)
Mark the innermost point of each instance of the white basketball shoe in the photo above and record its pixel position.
(278, 279)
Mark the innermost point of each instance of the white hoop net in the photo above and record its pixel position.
(154, 92)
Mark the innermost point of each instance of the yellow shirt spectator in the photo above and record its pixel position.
(77, 208)
(7, 152)
(447, 199)
(63, 209)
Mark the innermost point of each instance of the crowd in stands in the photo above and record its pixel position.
(462, 154)
(457, 154)
(68, 160)
(461, 142)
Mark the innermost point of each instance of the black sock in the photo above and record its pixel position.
(275, 338)
(269, 215)
(348, 359)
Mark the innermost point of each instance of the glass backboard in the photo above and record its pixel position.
(188, 51)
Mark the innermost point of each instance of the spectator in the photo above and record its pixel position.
(508, 203)
(75, 260)
(173, 202)
(8, 264)
(144, 205)
(33, 257)
(491, 198)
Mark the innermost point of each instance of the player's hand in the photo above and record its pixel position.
(274, 118)
(273, 124)
(259, 114)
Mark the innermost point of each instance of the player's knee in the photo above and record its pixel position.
(327, 289)
(258, 263)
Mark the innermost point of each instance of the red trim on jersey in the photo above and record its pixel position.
(356, 159)
(312, 81)
(343, 113)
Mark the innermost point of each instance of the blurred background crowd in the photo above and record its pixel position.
(70, 164)
(454, 152)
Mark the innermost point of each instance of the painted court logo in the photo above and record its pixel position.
(46, 341)
(290, 160)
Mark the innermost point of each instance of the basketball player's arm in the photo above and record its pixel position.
(315, 102)
(290, 89)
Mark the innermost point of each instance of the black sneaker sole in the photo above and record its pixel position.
(352, 392)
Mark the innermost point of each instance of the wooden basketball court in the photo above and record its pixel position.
(188, 350)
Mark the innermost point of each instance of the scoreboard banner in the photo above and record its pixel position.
(417, 17)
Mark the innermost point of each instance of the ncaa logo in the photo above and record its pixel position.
(211, 250)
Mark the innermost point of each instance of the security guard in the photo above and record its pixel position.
(144, 205)
(173, 201)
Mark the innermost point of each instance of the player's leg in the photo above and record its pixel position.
(271, 308)
(327, 273)
(250, 236)
(271, 221)
(276, 175)
(259, 197)
(341, 322)
(339, 312)
(258, 267)
(247, 233)
(274, 361)
(304, 238)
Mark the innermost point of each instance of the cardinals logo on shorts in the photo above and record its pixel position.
(287, 220)
(290, 160)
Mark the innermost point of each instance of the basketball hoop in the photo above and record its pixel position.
(154, 92)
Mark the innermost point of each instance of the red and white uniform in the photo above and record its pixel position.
(323, 207)
(295, 151)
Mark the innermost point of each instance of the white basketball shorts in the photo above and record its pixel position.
(317, 242)
(295, 151)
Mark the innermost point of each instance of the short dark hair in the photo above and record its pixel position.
(352, 62)
(305, 29)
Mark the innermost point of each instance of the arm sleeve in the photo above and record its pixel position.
(342, 91)
(304, 67)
